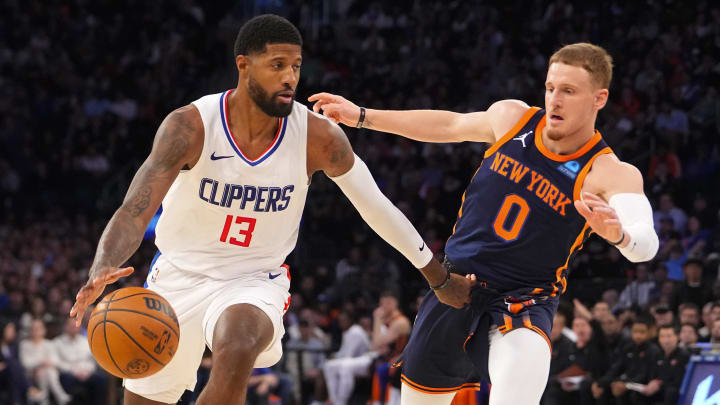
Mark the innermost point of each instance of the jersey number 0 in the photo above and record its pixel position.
(511, 231)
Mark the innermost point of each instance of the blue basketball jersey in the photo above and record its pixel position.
(517, 226)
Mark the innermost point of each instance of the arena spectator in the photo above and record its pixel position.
(12, 376)
(355, 344)
(664, 165)
(37, 312)
(665, 387)
(612, 329)
(260, 385)
(591, 356)
(39, 358)
(692, 289)
(389, 326)
(391, 330)
(715, 311)
(78, 370)
(697, 240)
(636, 363)
(688, 336)
(639, 291)
(689, 313)
(672, 121)
(559, 390)
(15, 307)
(715, 332)
(304, 359)
(702, 210)
(662, 315)
(668, 209)
(707, 317)
(600, 310)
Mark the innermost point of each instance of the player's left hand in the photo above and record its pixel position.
(457, 292)
(601, 217)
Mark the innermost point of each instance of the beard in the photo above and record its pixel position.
(553, 134)
(265, 102)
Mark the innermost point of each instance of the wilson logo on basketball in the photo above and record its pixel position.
(160, 346)
(156, 305)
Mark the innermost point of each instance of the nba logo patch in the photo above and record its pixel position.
(155, 273)
(570, 169)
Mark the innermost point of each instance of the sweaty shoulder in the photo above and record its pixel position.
(328, 149)
(179, 139)
(504, 114)
(609, 176)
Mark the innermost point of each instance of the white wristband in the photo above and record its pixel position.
(635, 215)
(382, 216)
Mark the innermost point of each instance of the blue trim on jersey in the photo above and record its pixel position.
(232, 142)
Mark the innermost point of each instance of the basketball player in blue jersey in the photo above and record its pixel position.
(232, 171)
(548, 180)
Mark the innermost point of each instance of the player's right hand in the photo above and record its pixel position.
(457, 292)
(336, 108)
(90, 292)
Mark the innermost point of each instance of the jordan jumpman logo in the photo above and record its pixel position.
(522, 137)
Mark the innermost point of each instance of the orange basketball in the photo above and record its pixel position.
(133, 332)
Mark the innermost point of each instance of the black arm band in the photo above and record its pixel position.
(618, 242)
(444, 283)
(362, 118)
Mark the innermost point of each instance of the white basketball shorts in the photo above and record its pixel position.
(198, 302)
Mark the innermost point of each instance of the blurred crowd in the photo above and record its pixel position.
(84, 85)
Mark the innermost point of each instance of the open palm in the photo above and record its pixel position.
(601, 217)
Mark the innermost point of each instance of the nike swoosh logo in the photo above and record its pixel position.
(422, 247)
(274, 276)
(213, 157)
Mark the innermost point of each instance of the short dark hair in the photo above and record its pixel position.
(645, 319)
(688, 305)
(694, 328)
(697, 262)
(668, 326)
(265, 29)
(391, 291)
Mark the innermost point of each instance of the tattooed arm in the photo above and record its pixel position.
(177, 145)
(329, 150)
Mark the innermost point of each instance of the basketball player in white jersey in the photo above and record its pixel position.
(232, 171)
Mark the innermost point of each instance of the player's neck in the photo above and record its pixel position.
(247, 121)
(570, 143)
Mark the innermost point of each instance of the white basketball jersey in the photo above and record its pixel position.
(229, 215)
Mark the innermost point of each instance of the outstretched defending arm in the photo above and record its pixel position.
(177, 143)
(330, 151)
(616, 208)
(425, 125)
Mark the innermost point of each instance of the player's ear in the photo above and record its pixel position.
(601, 98)
(242, 62)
